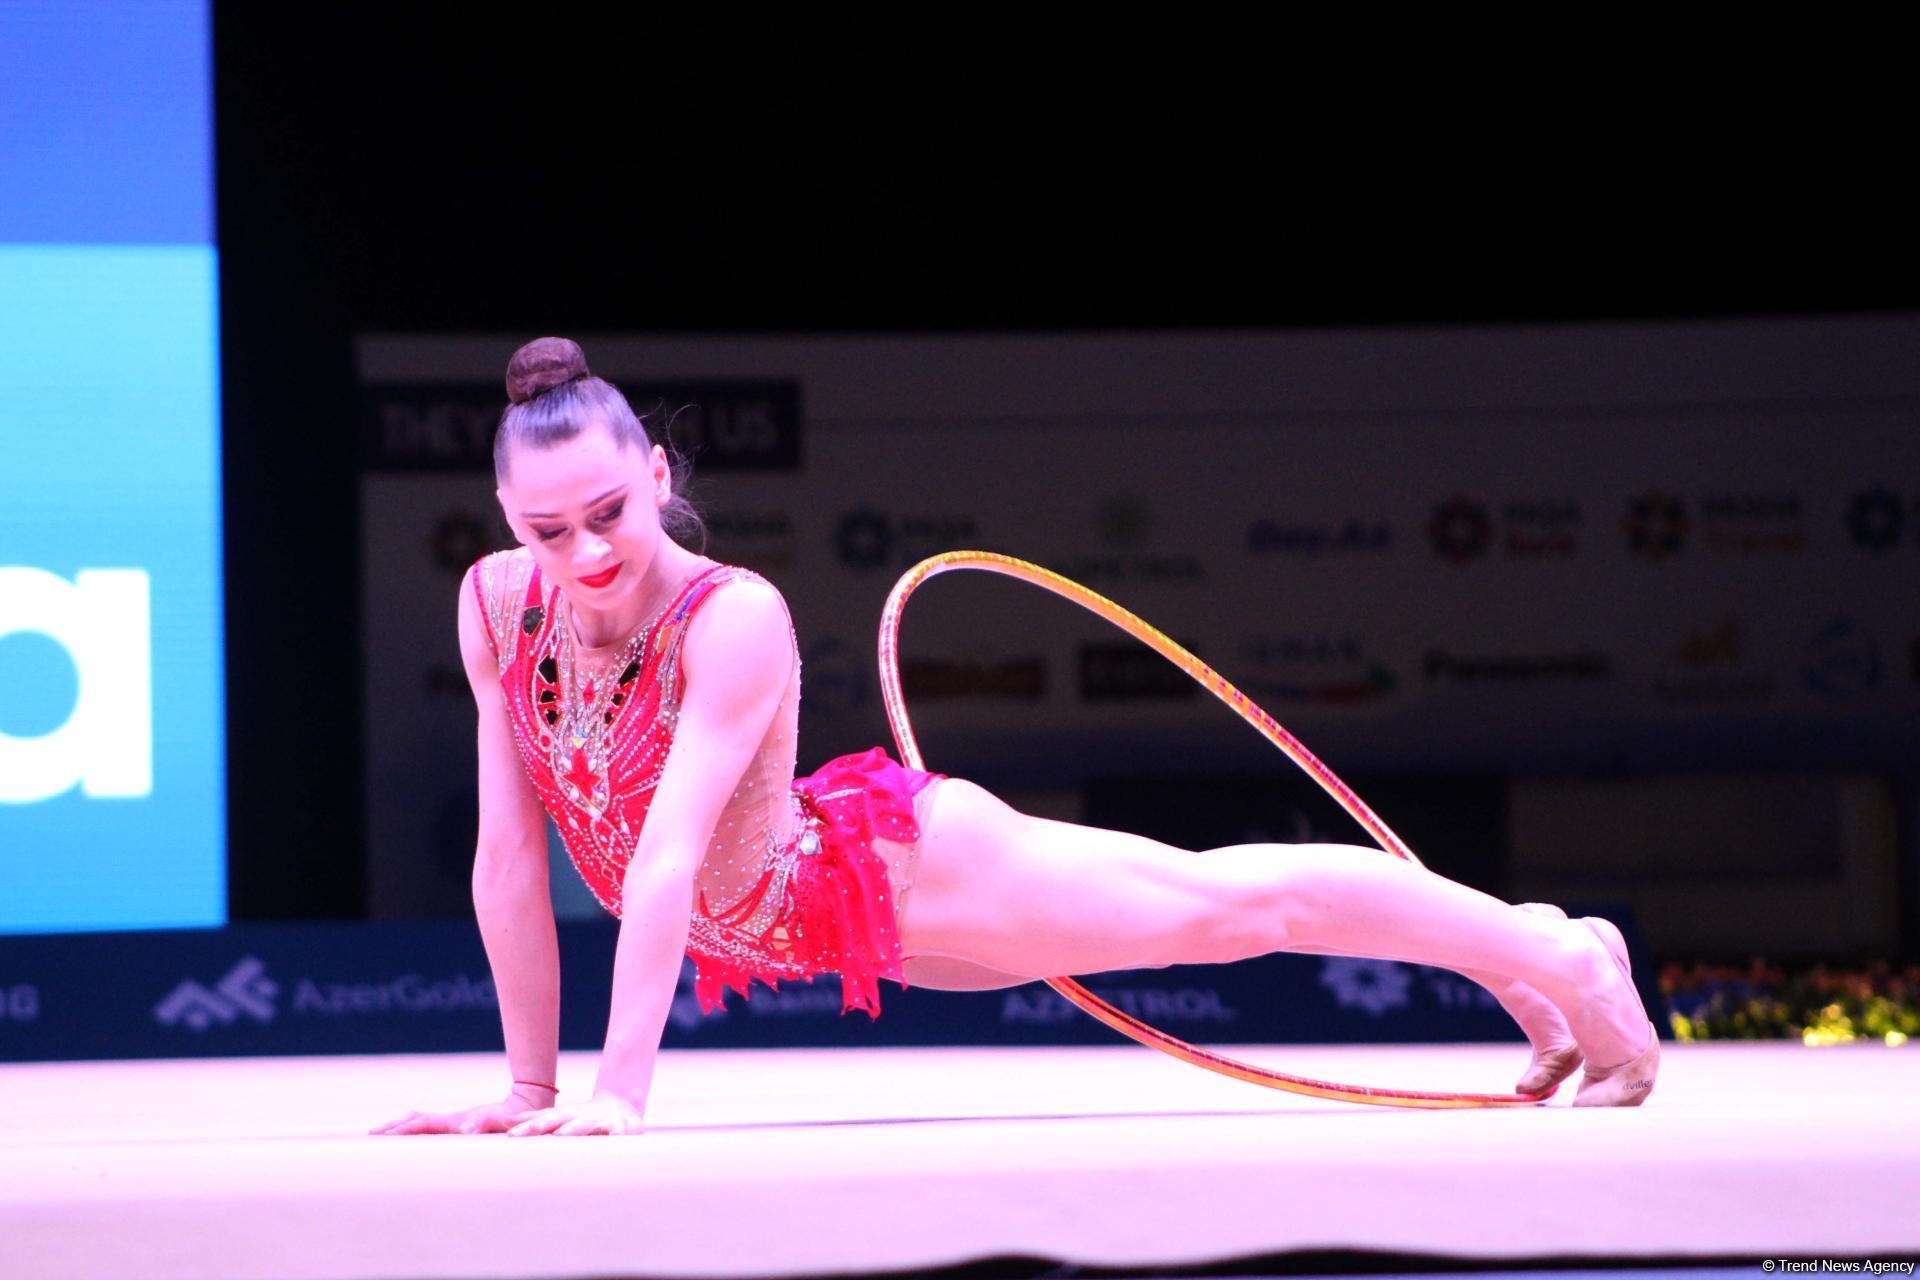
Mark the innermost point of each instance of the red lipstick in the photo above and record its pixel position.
(603, 579)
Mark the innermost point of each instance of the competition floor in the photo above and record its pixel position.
(1050, 1161)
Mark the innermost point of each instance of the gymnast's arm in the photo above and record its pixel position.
(510, 899)
(510, 895)
(735, 664)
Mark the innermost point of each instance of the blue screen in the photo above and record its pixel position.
(112, 751)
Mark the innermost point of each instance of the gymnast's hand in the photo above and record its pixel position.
(488, 1117)
(602, 1113)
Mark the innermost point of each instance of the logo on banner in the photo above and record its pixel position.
(1842, 660)
(867, 539)
(102, 740)
(863, 538)
(1377, 987)
(1540, 529)
(1656, 525)
(819, 997)
(836, 678)
(1132, 673)
(1460, 529)
(1023, 678)
(1154, 1004)
(763, 540)
(19, 1003)
(245, 992)
(1753, 524)
(1707, 668)
(460, 537)
(743, 425)
(684, 1012)
(1517, 668)
(1123, 520)
(1463, 528)
(1742, 524)
(1452, 991)
(1124, 524)
(1275, 537)
(1330, 670)
(1877, 519)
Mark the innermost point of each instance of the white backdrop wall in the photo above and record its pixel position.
(1556, 552)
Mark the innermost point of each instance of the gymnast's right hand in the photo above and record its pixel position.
(488, 1117)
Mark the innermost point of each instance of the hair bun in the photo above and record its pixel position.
(542, 365)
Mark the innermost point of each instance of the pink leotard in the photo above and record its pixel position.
(802, 876)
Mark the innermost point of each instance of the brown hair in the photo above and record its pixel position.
(553, 396)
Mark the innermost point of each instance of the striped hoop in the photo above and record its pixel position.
(1295, 750)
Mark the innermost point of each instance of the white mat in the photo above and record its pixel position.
(796, 1162)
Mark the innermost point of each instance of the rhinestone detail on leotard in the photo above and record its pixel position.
(598, 787)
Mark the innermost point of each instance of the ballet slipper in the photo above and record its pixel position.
(1626, 1084)
(1553, 1064)
(1548, 1069)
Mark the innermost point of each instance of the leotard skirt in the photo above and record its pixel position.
(853, 862)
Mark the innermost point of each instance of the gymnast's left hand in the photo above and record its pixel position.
(602, 1113)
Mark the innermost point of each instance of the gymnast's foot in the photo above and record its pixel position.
(1556, 1054)
(1611, 1023)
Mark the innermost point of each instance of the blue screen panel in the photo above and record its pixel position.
(112, 745)
(105, 123)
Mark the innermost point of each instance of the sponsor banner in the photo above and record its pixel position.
(867, 538)
(1842, 660)
(1464, 529)
(1544, 596)
(1132, 549)
(1709, 667)
(424, 986)
(1881, 520)
(1762, 524)
(747, 425)
(1023, 678)
(1130, 672)
(764, 540)
(1659, 524)
(1354, 535)
(1315, 670)
(1454, 823)
(1443, 666)
(1656, 525)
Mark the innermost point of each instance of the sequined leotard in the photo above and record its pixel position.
(802, 876)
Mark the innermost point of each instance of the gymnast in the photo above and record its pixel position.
(646, 697)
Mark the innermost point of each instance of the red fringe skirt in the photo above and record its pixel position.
(840, 915)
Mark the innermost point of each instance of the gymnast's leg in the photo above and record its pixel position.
(1025, 895)
(1556, 1055)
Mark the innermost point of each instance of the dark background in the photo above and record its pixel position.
(569, 174)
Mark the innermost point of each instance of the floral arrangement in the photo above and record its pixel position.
(1816, 1005)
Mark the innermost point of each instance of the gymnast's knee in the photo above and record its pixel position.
(1248, 912)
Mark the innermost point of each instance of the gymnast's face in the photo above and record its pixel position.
(589, 508)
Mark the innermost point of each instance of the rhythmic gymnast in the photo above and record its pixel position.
(646, 697)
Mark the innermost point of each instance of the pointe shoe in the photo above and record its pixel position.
(1550, 1066)
(1629, 1083)
(1548, 1069)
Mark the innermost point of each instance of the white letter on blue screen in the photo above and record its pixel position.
(102, 619)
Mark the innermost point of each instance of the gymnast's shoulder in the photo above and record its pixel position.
(742, 624)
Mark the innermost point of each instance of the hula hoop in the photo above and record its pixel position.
(1126, 1024)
